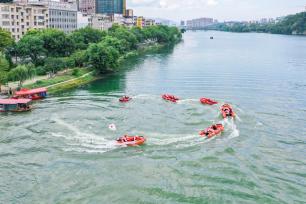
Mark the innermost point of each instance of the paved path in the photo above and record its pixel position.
(69, 80)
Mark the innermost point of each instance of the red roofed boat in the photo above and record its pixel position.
(34, 94)
(171, 98)
(208, 101)
(15, 105)
(212, 131)
(131, 140)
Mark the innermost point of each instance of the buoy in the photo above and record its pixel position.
(112, 127)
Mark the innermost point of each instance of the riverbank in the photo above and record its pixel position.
(288, 25)
(68, 80)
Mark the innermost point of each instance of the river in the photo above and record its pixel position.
(64, 152)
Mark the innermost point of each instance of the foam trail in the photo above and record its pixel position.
(184, 101)
(231, 124)
(84, 140)
(166, 139)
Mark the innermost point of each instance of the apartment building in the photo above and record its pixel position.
(101, 21)
(19, 18)
(62, 15)
(199, 23)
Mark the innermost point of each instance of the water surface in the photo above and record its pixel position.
(63, 151)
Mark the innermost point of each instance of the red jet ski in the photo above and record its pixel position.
(171, 98)
(227, 111)
(208, 101)
(125, 99)
(131, 140)
(212, 131)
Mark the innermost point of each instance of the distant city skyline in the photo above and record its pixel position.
(223, 10)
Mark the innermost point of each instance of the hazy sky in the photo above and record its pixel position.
(218, 9)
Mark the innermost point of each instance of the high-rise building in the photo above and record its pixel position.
(110, 6)
(102, 6)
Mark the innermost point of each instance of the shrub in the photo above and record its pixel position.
(76, 72)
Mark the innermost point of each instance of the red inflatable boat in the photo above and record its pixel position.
(212, 131)
(171, 98)
(227, 111)
(208, 101)
(125, 99)
(131, 140)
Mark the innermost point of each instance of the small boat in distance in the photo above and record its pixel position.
(131, 140)
(125, 99)
(211, 37)
(15, 105)
(208, 101)
(212, 131)
(34, 94)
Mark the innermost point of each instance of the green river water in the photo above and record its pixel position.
(64, 152)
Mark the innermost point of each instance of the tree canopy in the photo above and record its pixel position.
(51, 50)
(292, 24)
(5, 39)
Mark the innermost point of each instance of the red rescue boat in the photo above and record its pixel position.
(227, 111)
(212, 131)
(131, 140)
(34, 94)
(208, 101)
(171, 98)
(125, 99)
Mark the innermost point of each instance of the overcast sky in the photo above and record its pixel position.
(218, 9)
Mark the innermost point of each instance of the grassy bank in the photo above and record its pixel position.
(70, 84)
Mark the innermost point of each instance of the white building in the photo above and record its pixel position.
(199, 23)
(18, 18)
(101, 21)
(83, 20)
(62, 15)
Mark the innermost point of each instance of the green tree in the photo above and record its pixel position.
(4, 68)
(21, 73)
(56, 43)
(5, 39)
(127, 38)
(83, 37)
(115, 43)
(31, 46)
(79, 58)
(103, 58)
(55, 64)
(138, 32)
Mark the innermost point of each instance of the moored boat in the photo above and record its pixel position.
(15, 105)
(212, 131)
(131, 140)
(34, 94)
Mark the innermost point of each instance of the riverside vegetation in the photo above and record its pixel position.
(49, 51)
(292, 24)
